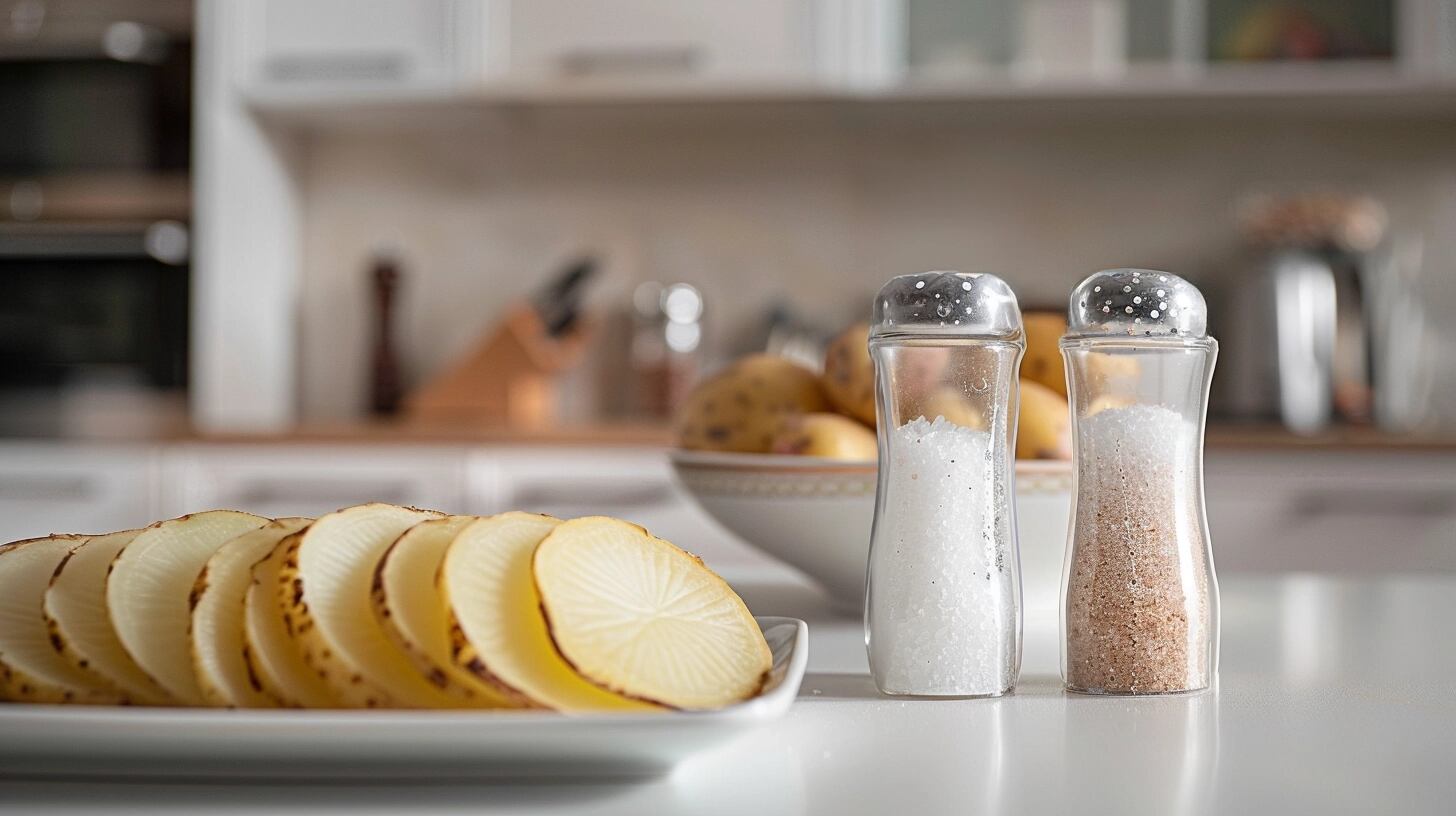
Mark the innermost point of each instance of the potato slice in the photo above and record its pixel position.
(408, 606)
(272, 655)
(149, 593)
(31, 669)
(324, 588)
(496, 626)
(218, 650)
(80, 624)
(636, 615)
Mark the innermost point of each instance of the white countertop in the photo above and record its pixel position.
(1336, 696)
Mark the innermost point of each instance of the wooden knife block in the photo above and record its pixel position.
(512, 377)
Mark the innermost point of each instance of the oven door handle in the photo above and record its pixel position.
(164, 241)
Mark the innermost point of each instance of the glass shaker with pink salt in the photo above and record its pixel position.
(1140, 601)
(943, 603)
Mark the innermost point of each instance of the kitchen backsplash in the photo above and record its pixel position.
(816, 205)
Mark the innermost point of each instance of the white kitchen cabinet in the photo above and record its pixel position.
(625, 41)
(388, 46)
(48, 487)
(1332, 511)
(1268, 511)
(635, 484)
(309, 480)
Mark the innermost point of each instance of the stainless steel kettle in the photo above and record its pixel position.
(1301, 345)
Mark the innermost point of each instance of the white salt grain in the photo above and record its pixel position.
(943, 615)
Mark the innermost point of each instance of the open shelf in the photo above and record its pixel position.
(1360, 89)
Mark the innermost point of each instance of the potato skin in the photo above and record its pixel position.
(829, 436)
(491, 696)
(951, 404)
(18, 685)
(353, 689)
(1042, 363)
(849, 374)
(1044, 430)
(743, 407)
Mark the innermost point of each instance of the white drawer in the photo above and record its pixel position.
(695, 40)
(635, 484)
(308, 480)
(53, 487)
(1331, 511)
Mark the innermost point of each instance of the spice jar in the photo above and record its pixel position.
(1140, 603)
(943, 607)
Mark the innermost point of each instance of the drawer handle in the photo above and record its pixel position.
(341, 493)
(1404, 504)
(71, 488)
(643, 60)
(592, 495)
(343, 68)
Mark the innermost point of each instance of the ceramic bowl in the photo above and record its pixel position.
(815, 515)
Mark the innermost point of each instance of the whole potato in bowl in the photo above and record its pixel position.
(745, 406)
(816, 514)
(849, 373)
(828, 436)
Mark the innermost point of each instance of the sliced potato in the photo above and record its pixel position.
(408, 606)
(80, 624)
(218, 650)
(150, 591)
(31, 669)
(497, 629)
(640, 617)
(324, 587)
(273, 657)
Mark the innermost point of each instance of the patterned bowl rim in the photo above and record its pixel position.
(1047, 474)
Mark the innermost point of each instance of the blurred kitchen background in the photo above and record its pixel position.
(287, 255)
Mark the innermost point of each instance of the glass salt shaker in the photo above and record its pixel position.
(1140, 600)
(943, 601)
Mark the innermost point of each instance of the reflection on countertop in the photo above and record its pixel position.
(1335, 696)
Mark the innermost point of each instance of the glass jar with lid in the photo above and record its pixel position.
(943, 602)
(1140, 599)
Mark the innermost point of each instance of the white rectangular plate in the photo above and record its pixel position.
(200, 742)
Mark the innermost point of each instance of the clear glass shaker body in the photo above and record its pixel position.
(1140, 597)
(943, 601)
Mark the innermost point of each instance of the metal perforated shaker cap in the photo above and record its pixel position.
(1137, 303)
(954, 304)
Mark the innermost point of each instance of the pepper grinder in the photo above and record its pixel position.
(385, 390)
(1140, 602)
(943, 602)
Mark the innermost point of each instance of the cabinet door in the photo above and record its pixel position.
(309, 480)
(355, 44)
(653, 40)
(1331, 511)
(74, 488)
(634, 484)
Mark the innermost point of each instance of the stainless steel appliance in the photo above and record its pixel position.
(1298, 323)
(90, 313)
(94, 205)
